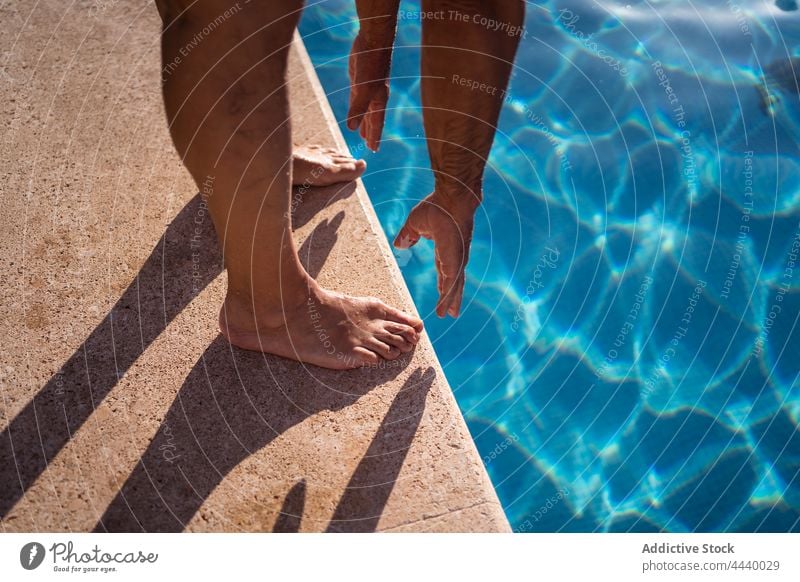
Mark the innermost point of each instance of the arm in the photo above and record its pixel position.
(465, 72)
(370, 62)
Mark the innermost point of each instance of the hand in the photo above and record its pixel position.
(449, 225)
(369, 89)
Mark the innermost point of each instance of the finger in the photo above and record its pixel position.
(360, 92)
(360, 95)
(439, 276)
(450, 301)
(441, 287)
(441, 304)
(458, 295)
(450, 258)
(446, 295)
(377, 117)
(407, 237)
(360, 98)
(458, 289)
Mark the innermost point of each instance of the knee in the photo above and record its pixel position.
(171, 10)
(259, 13)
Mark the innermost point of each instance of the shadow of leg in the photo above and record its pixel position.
(292, 510)
(231, 405)
(365, 496)
(318, 245)
(183, 263)
(307, 203)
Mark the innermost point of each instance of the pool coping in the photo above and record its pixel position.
(456, 519)
(111, 322)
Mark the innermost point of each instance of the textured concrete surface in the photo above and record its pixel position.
(122, 407)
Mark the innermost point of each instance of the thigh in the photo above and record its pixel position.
(281, 13)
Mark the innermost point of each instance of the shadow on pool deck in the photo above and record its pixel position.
(291, 513)
(365, 496)
(229, 408)
(185, 261)
(113, 287)
(163, 287)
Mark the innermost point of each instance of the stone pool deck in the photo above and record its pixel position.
(122, 407)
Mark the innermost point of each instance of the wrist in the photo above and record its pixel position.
(461, 202)
(456, 194)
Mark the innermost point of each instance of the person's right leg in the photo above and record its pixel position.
(226, 100)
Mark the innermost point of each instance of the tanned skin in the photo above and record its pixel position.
(459, 123)
(228, 112)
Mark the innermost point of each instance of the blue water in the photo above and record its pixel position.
(628, 354)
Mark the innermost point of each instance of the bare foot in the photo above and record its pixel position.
(323, 328)
(317, 166)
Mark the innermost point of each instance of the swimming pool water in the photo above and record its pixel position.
(628, 353)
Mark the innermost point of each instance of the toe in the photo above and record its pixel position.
(353, 168)
(405, 331)
(364, 357)
(344, 167)
(397, 316)
(382, 348)
(396, 341)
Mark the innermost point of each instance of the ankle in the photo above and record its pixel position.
(271, 309)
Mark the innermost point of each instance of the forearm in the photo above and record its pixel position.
(465, 72)
(378, 22)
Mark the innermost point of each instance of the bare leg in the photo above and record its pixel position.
(227, 105)
(460, 125)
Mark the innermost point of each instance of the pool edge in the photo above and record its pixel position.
(490, 510)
